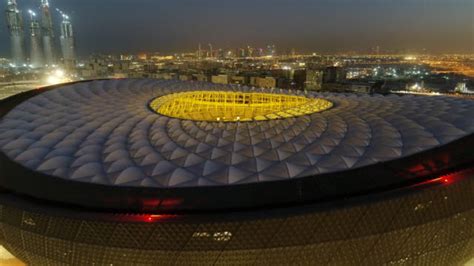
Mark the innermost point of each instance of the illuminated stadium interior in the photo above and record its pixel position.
(227, 106)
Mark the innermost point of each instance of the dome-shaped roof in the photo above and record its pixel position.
(104, 132)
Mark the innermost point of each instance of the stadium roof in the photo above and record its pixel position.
(105, 133)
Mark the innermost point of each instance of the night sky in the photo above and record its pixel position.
(113, 26)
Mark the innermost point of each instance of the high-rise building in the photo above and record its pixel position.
(220, 54)
(250, 51)
(47, 32)
(199, 52)
(242, 52)
(15, 27)
(211, 51)
(67, 41)
(36, 54)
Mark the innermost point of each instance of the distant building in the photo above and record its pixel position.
(67, 42)
(334, 74)
(239, 80)
(47, 32)
(283, 83)
(220, 79)
(335, 87)
(220, 54)
(314, 79)
(121, 66)
(242, 52)
(265, 82)
(201, 77)
(461, 87)
(299, 78)
(15, 27)
(167, 76)
(293, 52)
(185, 77)
(271, 50)
(250, 51)
(360, 87)
(150, 67)
(36, 53)
(199, 52)
(98, 67)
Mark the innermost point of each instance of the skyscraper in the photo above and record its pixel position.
(47, 32)
(67, 40)
(199, 52)
(211, 52)
(15, 27)
(36, 54)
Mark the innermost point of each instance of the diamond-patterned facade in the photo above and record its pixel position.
(103, 132)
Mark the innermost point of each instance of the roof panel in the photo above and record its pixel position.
(105, 131)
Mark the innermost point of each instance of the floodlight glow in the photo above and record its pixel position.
(59, 73)
(53, 80)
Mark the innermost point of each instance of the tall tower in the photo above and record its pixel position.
(36, 55)
(15, 27)
(199, 55)
(47, 32)
(211, 52)
(67, 40)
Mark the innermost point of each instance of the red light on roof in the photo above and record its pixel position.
(156, 217)
(447, 179)
(148, 218)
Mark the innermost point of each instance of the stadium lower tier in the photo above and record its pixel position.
(431, 223)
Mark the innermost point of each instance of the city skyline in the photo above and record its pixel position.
(308, 26)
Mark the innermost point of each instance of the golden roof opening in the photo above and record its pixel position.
(228, 106)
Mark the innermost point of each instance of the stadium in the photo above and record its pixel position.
(138, 171)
